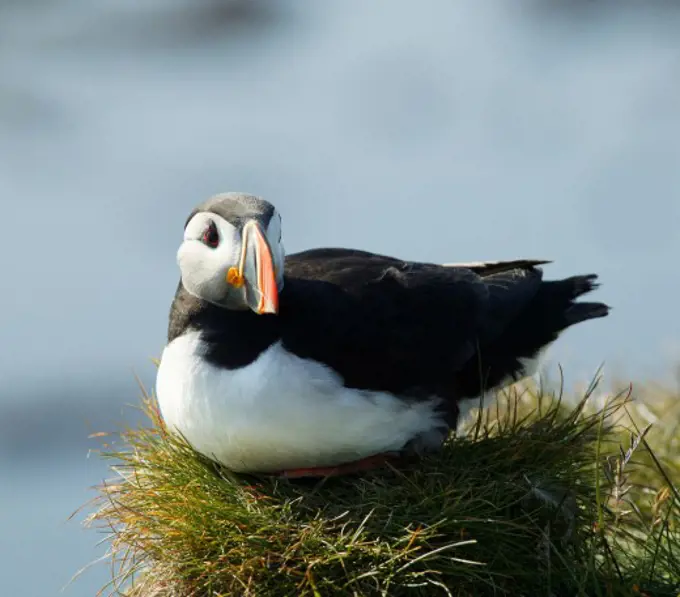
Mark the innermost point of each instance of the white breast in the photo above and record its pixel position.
(280, 412)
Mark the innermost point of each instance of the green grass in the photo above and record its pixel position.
(535, 499)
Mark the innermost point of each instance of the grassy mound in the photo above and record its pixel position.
(534, 499)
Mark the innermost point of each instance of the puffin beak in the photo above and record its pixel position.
(257, 270)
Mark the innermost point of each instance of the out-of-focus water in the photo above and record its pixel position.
(41, 549)
(447, 131)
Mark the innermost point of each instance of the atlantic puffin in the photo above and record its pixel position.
(330, 360)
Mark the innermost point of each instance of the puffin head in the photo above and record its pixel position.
(232, 255)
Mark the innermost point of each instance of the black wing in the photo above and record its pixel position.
(319, 263)
(397, 326)
(451, 331)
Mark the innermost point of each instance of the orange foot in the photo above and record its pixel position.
(356, 466)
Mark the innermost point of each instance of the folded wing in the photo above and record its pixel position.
(411, 328)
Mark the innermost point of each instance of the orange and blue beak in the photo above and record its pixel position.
(256, 271)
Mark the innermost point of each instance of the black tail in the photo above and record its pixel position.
(585, 311)
(576, 312)
(552, 310)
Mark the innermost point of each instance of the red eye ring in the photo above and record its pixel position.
(211, 237)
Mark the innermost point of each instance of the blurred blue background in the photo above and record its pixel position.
(443, 131)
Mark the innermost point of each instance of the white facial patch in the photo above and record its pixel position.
(204, 268)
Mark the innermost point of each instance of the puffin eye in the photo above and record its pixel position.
(211, 236)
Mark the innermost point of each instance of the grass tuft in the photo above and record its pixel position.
(532, 498)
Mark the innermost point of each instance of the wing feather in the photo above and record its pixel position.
(396, 325)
